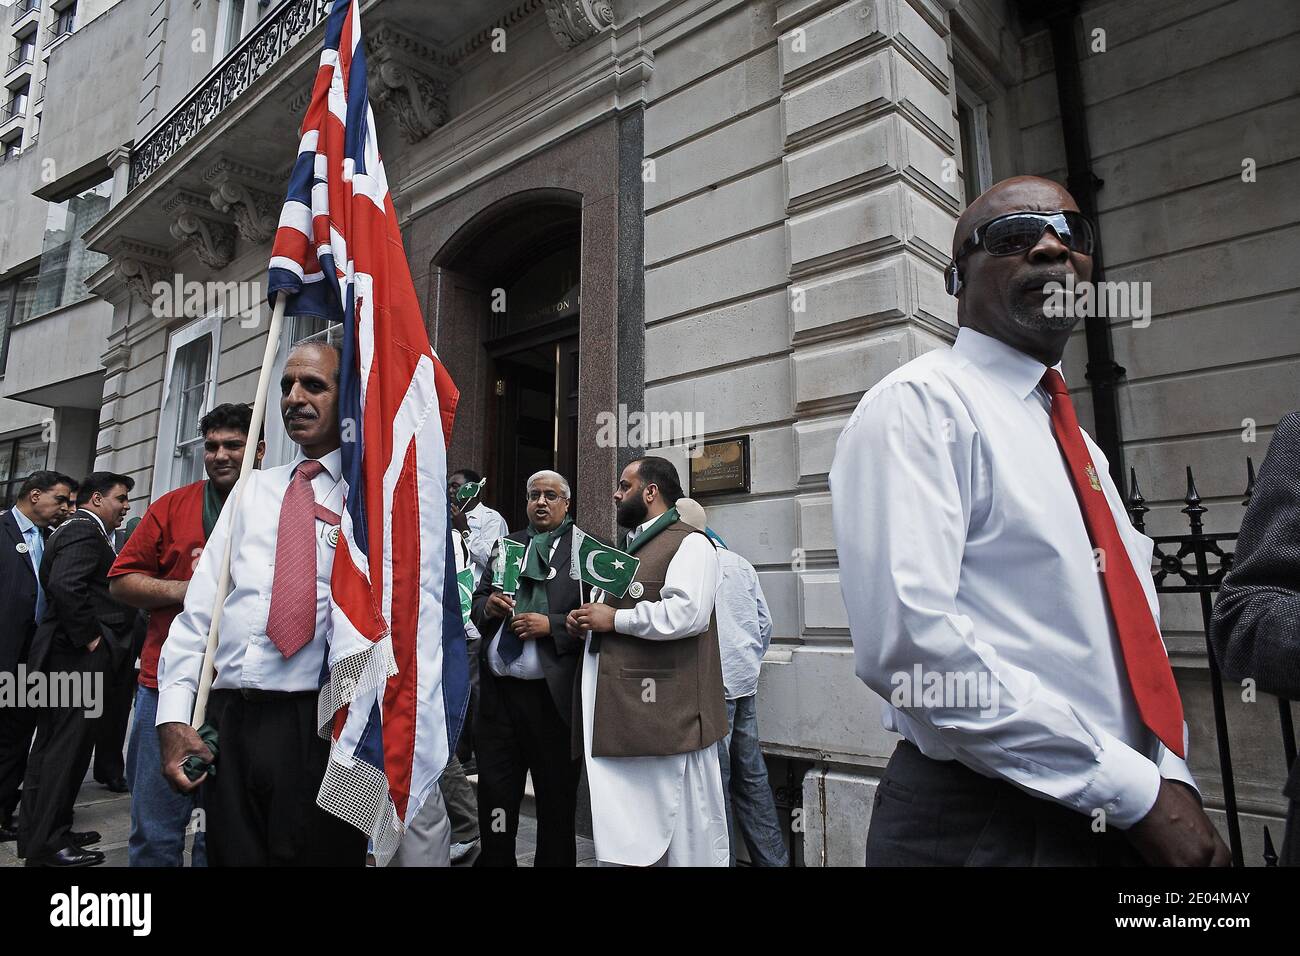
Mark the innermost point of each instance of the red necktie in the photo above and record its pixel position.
(292, 622)
(1149, 673)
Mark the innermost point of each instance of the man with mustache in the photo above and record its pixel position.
(983, 544)
(651, 703)
(153, 572)
(526, 687)
(274, 636)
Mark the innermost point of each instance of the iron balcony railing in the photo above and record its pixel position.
(1196, 563)
(20, 57)
(255, 55)
(23, 7)
(12, 110)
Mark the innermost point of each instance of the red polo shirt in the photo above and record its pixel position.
(165, 544)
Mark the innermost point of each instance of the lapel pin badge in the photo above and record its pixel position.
(636, 589)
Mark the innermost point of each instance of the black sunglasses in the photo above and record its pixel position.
(1018, 231)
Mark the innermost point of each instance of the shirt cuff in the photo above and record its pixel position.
(1125, 785)
(175, 705)
(623, 619)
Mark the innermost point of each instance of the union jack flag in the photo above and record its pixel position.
(395, 687)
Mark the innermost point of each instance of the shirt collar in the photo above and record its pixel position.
(331, 462)
(1013, 368)
(25, 523)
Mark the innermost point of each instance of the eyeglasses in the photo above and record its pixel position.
(1018, 231)
(548, 495)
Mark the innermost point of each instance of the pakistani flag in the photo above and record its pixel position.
(509, 562)
(601, 566)
(465, 584)
(468, 490)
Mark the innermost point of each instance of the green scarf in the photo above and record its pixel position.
(530, 595)
(212, 502)
(669, 517)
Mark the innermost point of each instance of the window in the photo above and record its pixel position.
(65, 20)
(16, 298)
(232, 17)
(189, 390)
(19, 457)
(17, 104)
(297, 329)
(66, 263)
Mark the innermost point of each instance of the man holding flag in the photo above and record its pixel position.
(356, 540)
(652, 702)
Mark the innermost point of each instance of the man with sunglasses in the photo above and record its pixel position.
(998, 597)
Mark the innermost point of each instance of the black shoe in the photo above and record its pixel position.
(8, 831)
(84, 837)
(69, 856)
(117, 786)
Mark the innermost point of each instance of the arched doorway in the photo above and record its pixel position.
(508, 309)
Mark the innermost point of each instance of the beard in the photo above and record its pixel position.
(631, 512)
(1027, 304)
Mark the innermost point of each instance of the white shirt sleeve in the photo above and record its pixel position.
(181, 663)
(685, 601)
(764, 615)
(483, 536)
(904, 483)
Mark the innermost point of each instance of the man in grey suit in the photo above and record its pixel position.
(44, 500)
(1255, 629)
(82, 631)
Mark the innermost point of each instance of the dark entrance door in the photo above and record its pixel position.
(536, 410)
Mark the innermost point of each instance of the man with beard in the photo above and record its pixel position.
(526, 687)
(275, 630)
(652, 705)
(153, 572)
(983, 545)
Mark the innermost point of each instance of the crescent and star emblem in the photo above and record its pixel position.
(591, 567)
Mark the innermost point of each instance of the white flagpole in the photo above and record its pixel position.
(250, 456)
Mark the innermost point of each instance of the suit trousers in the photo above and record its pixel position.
(261, 804)
(17, 724)
(520, 731)
(110, 726)
(60, 756)
(941, 813)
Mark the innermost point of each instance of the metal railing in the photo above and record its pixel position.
(254, 56)
(12, 110)
(23, 7)
(20, 57)
(1196, 563)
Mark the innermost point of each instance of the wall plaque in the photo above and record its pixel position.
(722, 466)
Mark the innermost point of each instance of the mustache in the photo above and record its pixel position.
(1039, 278)
(299, 414)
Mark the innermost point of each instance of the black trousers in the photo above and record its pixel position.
(941, 813)
(17, 724)
(110, 726)
(521, 731)
(260, 807)
(60, 757)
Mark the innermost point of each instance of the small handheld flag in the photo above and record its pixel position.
(512, 562)
(600, 565)
(467, 491)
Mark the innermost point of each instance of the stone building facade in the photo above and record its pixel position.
(736, 215)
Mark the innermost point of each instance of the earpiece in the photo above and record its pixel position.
(952, 279)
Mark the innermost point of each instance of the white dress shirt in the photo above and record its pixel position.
(744, 624)
(245, 656)
(485, 526)
(963, 552)
(528, 665)
(645, 810)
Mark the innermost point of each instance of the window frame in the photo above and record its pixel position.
(14, 481)
(166, 461)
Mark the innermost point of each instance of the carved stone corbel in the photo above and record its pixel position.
(138, 267)
(237, 191)
(575, 21)
(408, 79)
(197, 226)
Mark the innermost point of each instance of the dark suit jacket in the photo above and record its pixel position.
(74, 573)
(558, 651)
(1255, 629)
(17, 596)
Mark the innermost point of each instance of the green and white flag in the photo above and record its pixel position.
(509, 562)
(468, 490)
(464, 582)
(600, 565)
